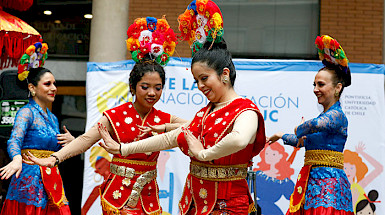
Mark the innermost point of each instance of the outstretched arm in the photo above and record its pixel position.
(152, 144)
(76, 147)
(378, 168)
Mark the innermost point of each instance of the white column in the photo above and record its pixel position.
(109, 30)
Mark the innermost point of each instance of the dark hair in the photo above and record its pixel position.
(34, 77)
(217, 57)
(340, 74)
(373, 195)
(143, 67)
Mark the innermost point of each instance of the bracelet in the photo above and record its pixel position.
(165, 130)
(57, 159)
(120, 148)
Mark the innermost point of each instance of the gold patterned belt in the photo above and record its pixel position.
(325, 158)
(218, 172)
(139, 184)
(37, 152)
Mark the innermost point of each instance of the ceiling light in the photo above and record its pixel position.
(48, 12)
(88, 16)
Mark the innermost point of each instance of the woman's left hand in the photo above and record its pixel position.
(64, 139)
(195, 145)
(109, 144)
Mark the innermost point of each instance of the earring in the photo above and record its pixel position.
(225, 79)
(33, 93)
(336, 94)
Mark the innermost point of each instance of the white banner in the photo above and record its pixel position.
(283, 91)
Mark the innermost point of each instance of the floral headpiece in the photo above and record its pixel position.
(331, 52)
(34, 57)
(151, 36)
(202, 21)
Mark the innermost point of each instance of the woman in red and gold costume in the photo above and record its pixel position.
(131, 187)
(221, 140)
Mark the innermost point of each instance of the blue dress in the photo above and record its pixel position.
(328, 187)
(33, 129)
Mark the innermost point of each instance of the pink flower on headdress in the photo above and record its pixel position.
(156, 49)
(158, 38)
(162, 25)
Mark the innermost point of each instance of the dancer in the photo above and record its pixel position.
(221, 140)
(131, 187)
(322, 186)
(35, 190)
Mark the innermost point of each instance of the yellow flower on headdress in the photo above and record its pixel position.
(326, 39)
(22, 76)
(30, 50)
(216, 21)
(132, 44)
(169, 48)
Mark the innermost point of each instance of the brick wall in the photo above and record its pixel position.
(158, 8)
(357, 25)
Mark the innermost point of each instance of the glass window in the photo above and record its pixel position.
(271, 28)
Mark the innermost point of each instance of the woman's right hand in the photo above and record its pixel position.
(109, 144)
(274, 138)
(47, 162)
(15, 166)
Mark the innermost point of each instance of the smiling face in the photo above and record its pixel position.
(209, 82)
(325, 88)
(45, 89)
(147, 92)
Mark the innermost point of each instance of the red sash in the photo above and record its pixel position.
(297, 198)
(53, 185)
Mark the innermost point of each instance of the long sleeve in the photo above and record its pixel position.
(290, 139)
(329, 121)
(152, 144)
(176, 122)
(242, 134)
(83, 142)
(23, 120)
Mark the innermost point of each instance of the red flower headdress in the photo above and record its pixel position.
(202, 21)
(151, 36)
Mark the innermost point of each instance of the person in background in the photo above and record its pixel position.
(322, 186)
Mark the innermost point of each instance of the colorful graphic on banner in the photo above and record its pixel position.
(283, 91)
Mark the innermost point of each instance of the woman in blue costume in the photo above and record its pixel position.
(322, 186)
(35, 130)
